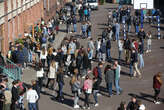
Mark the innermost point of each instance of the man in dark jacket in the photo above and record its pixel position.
(99, 77)
(108, 47)
(15, 95)
(132, 105)
(127, 45)
(141, 35)
(103, 51)
(35, 86)
(109, 78)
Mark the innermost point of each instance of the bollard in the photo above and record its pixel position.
(159, 34)
(124, 29)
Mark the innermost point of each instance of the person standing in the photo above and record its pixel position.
(32, 98)
(120, 49)
(157, 83)
(87, 87)
(97, 45)
(95, 91)
(149, 42)
(117, 69)
(85, 63)
(52, 75)
(15, 95)
(140, 53)
(117, 26)
(129, 22)
(109, 78)
(40, 76)
(103, 51)
(60, 81)
(35, 87)
(74, 21)
(75, 86)
(127, 48)
(134, 62)
(2, 97)
(72, 48)
(108, 47)
(43, 56)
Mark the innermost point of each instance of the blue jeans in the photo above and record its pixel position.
(118, 89)
(32, 106)
(109, 87)
(119, 54)
(75, 27)
(141, 61)
(131, 69)
(129, 28)
(95, 95)
(108, 54)
(117, 36)
(60, 89)
(137, 29)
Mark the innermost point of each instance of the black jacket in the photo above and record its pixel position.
(15, 95)
(134, 57)
(127, 44)
(60, 78)
(108, 45)
(141, 35)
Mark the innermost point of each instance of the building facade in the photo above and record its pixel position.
(18, 16)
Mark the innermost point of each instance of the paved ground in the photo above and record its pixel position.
(154, 62)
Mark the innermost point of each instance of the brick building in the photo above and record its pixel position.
(16, 16)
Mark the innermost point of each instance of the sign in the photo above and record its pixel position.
(146, 4)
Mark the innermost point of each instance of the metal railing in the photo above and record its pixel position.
(11, 69)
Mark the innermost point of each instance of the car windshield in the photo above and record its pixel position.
(91, 1)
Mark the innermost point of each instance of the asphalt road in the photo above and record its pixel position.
(154, 62)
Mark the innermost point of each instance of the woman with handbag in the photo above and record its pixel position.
(87, 87)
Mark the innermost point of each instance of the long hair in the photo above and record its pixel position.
(44, 51)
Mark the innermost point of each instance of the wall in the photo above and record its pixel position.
(15, 18)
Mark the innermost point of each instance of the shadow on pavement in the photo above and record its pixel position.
(143, 96)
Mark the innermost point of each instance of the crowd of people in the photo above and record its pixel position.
(74, 60)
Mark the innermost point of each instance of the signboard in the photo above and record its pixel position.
(140, 4)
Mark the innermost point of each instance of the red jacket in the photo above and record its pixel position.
(156, 83)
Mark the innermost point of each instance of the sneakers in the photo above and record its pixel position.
(96, 104)
(76, 106)
(157, 102)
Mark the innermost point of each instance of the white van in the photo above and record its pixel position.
(93, 4)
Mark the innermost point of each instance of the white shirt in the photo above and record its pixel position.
(43, 56)
(40, 73)
(32, 96)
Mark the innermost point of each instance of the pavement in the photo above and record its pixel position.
(142, 88)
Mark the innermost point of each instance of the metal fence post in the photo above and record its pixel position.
(158, 20)
(124, 29)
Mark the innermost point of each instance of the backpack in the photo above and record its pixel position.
(44, 40)
(95, 72)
